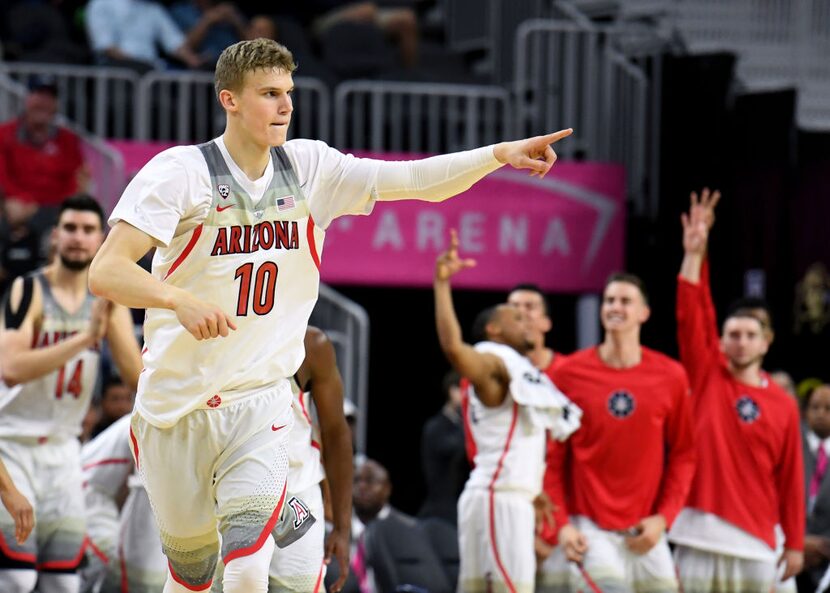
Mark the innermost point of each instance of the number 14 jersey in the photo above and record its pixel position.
(250, 247)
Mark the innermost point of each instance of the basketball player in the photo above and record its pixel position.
(49, 354)
(621, 480)
(238, 224)
(533, 303)
(750, 473)
(511, 406)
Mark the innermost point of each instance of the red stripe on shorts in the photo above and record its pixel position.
(266, 532)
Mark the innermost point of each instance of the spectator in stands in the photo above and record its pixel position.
(127, 33)
(40, 32)
(400, 24)
(443, 455)
(816, 447)
(41, 162)
(210, 26)
(116, 401)
(390, 551)
(261, 25)
(21, 248)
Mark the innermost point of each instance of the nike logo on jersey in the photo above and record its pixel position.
(223, 208)
(275, 428)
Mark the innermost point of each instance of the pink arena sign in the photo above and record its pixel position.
(564, 233)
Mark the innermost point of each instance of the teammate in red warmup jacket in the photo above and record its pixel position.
(620, 480)
(750, 474)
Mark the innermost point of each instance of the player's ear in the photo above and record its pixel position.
(227, 100)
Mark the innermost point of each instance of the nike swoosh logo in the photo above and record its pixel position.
(276, 428)
(223, 208)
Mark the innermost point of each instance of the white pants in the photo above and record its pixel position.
(496, 542)
(610, 565)
(708, 572)
(48, 474)
(227, 465)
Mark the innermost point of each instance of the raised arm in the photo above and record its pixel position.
(327, 393)
(485, 371)
(438, 178)
(20, 362)
(697, 332)
(115, 275)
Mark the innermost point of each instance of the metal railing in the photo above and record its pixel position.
(182, 107)
(347, 325)
(420, 118)
(568, 74)
(97, 99)
(106, 166)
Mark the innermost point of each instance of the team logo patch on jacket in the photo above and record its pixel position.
(748, 409)
(621, 404)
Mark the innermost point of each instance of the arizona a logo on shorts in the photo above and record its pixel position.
(621, 404)
(748, 409)
(224, 189)
(301, 512)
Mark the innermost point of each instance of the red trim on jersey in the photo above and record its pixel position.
(181, 582)
(316, 445)
(12, 555)
(135, 446)
(469, 440)
(303, 408)
(66, 564)
(311, 244)
(492, 513)
(319, 578)
(145, 350)
(266, 532)
(188, 248)
(98, 551)
(111, 461)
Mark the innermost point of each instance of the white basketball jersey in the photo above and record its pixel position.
(55, 404)
(510, 438)
(257, 259)
(305, 466)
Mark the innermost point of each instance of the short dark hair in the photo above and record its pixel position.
(84, 203)
(628, 278)
(747, 307)
(481, 321)
(527, 286)
(451, 379)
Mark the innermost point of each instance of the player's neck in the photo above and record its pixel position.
(252, 158)
(748, 375)
(621, 351)
(65, 280)
(540, 356)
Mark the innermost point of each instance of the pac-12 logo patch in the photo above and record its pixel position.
(748, 409)
(621, 404)
(300, 510)
(224, 189)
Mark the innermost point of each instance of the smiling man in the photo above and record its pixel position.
(238, 224)
(619, 482)
(750, 474)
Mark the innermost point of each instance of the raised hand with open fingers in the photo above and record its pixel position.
(448, 263)
(534, 153)
(698, 221)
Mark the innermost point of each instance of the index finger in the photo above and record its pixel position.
(557, 136)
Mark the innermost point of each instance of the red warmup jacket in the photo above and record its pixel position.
(750, 470)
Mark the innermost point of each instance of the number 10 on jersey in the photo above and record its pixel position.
(264, 287)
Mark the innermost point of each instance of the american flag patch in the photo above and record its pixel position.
(286, 203)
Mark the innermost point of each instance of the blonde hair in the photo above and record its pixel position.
(247, 56)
